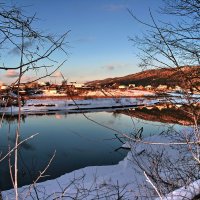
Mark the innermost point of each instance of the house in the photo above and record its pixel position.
(51, 90)
(178, 88)
(148, 87)
(42, 83)
(88, 88)
(78, 85)
(122, 87)
(4, 87)
(162, 87)
(32, 85)
(140, 87)
(22, 92)
(21, 86)
(131, 85)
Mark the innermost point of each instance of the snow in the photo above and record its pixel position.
(182, 95)
(90, 180)
(105, 182)
(186, 192)
(114, 99)
(67, 105)
(118, 93)
(45, 105)
(104, 93)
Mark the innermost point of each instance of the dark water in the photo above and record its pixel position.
(77, 141)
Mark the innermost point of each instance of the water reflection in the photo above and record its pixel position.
(171, 114)
(78, 143)
(161, 113)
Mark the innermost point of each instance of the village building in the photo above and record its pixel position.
(21, 86)
(122, 86)
(140, 87)
(178, 88)
(131, 85)
(41, 83)
(50, 90)
(79, 85)
(148, 87)
(3, 87)
(162, 87)
(31, 85)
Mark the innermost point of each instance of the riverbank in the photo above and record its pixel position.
(127, 178)
(48, 105)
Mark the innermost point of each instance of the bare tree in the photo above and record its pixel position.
(166, 45)
(174, 45)
(32, 51)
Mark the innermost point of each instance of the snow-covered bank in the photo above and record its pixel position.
(87, 183)
(186, 192)
(182, 95)
(128, 98)
(125, 180)
(42, 105)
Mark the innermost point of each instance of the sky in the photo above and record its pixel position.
(98, 42)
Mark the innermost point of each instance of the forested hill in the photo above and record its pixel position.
(155, 77)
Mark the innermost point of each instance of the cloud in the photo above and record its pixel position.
(115, 7)
(56, 74)
(12, 73)
(112, 67)
(109, 67)
(16, 50)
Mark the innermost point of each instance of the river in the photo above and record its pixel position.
(78, 141)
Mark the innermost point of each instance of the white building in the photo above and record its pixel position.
(4, 87)
(131, 85)
(78, 85)
(162, 87)
(122, 87)
(50, 91)
(148, 87)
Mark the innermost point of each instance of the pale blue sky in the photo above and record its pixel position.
(98, 41)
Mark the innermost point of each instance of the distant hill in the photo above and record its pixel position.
(155, 77)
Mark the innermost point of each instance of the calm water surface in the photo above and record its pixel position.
(77, 141)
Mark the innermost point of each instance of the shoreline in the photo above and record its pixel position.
(53, 103)
(68, 105)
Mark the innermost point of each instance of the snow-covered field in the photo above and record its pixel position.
(43, 105)
(105, 93)
(118, 93)
(114, 99)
